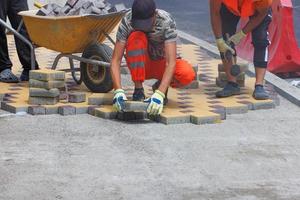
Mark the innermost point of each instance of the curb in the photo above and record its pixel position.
(281, 86)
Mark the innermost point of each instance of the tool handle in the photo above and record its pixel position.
(38, 4)
(228, 54)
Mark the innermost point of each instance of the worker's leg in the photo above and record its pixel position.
(261, 42)
(5, 62)
(229, 25)
(183, 75)
(137, 59)
(137, 56)
(16, 6)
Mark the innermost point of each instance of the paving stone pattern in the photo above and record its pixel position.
(197, 106)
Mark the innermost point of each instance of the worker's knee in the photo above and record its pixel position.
(260, 35)
(184, 74)
(137, 40)
(260, 58)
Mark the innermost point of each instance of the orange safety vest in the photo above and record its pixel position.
(247, 7)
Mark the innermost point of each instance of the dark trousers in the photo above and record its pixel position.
(10, 9)
(260, 38)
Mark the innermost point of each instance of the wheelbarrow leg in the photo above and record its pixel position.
(56, 60)
(73, 71)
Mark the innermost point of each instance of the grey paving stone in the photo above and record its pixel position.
(40, 92)
(100, 99)
(205, 120)
(51, 110)
(36, 110)
(46, 84)
(237, 109)
(131, 116)
(125, 70)
(105, 115)
(91, 110)
(174, 120)
(81, 110)
(193, 85)
(67, 110)
(2, 96)
(9, 108)
(47, 75)
(77, 97)
(43, 100)
(263, 105)
(223, 77)
(135, 106)
(243, 67)
(196, 68)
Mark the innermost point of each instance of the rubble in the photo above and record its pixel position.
(80, 7)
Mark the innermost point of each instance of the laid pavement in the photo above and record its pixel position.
(252, 156)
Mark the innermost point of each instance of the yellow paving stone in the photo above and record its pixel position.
(197, 106)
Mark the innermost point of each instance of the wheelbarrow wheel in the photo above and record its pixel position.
(97, 78)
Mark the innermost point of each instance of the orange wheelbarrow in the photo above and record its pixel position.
(70, 35)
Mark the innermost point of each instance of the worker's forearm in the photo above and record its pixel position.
(254, 22)
(216, 24)
(167, 77)
(116, 75)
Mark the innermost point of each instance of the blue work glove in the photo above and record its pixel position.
(156, 103)
(119, 99)
(236, 38)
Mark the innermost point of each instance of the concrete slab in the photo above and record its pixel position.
(47, 75)
(46, 84)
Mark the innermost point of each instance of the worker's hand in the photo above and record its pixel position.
(119, 99)
(156, 103)
(223, 46)
(236, 38)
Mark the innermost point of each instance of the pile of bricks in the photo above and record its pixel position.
(221, 80)
(80, 7)
(44, 86)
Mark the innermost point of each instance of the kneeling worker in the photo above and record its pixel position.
(225, 15)
(148, 35)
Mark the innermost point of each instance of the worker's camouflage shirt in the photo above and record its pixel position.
(164, 30)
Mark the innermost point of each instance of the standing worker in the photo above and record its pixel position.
(10, 9)
(225, 15)
(149, 37)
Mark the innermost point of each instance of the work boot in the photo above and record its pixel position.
(138, 94)
(155, 86)
(230, 89)
(260, 93)
(7, 76)
(25, 75)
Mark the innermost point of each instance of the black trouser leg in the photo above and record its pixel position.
(229, 24)
(261, 42)
(16, 6)
(5, 62)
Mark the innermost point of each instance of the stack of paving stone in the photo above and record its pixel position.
(221, 80)
(44, 86)
(80, 7)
